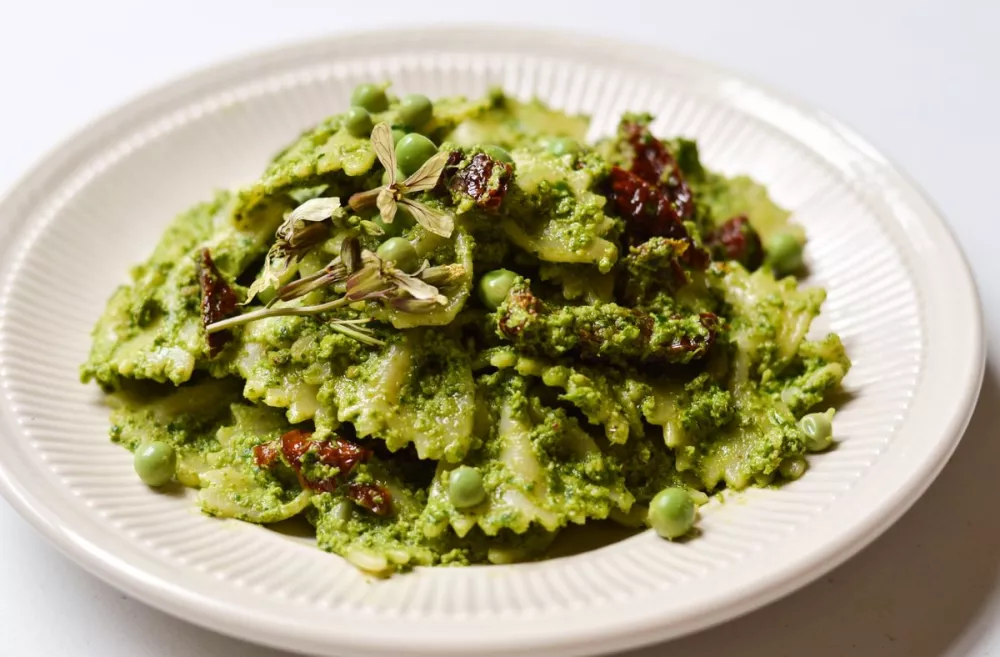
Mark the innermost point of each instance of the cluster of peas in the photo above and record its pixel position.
(412, 150)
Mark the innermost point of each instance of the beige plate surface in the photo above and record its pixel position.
(900, 295)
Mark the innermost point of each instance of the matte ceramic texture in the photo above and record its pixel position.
(900, 295)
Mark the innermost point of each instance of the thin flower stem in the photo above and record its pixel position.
(360, 336)
(358, 321)
(276, 312)
(319, 273)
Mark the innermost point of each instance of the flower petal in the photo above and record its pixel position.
(427, 176)
(276, 263)
(367, 282)
(315, 209)
(384, 149)
(416, 306)
(386, 205)
(416, 288)
(436, 222)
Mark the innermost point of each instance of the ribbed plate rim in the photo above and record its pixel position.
(205, 612)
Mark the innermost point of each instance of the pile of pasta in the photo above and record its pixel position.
(637, 346)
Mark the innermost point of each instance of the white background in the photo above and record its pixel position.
(920, 79)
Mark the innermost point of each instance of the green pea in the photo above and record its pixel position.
(494, 286)
(793, 467)
(784, 253)
(331, 247)
(371, 97)
(564, 146)
(671, 513)
(400, 223)
(498, 153)
(465, 487)
(764, 479)
(399, 251)
(818, 430)
(358, 122)
(155, 463)
(412, 151)
(415, 110)
(397, 134)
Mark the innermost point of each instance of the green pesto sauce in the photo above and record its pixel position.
(579, 398)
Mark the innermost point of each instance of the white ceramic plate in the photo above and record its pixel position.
(900, 295)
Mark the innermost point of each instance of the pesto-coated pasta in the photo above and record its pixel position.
(557, 332)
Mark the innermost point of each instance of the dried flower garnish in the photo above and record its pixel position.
(389, 197)
(365, 277)
(380, 279)
(301, 230)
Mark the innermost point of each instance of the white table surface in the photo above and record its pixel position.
(920, 79)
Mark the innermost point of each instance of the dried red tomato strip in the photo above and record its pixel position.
(295, 444)
(699, 344)
(373, 497)
(341, 454)
(649, 212)
(647, 209)
(218, 301)
(652, 195)
(265, 454)
(653, 163)
(484, 179)
(735, 239)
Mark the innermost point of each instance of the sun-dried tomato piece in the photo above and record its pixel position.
(265, 454)
(647, 209)
(649, 212)
(484, 179)
(373, 497)
(735, 239)
(699, 343)
(295, 444)
(652, 194)
(522, 307)
(655, 164)
(218, 301)
(341, 454)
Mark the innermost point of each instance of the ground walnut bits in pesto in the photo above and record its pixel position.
(442, 331)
